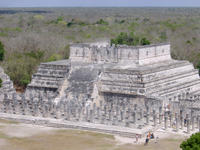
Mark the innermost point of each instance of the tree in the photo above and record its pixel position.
(2, 51)
(130, 39)
(101, 21)
(193, 143)
(144, 41)
(1, 82)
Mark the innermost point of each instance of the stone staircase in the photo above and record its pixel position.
(81, 82)
(48, 79)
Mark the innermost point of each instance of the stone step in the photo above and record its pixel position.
(197, 92)
(51, 72)
(44, 77)
(136, 77)
(172, 77)
(171, 81)
(123, 83)
(148, 68)
(178, 87)
(128, 83)
(173, 65)
(166, 72)
(44, 86)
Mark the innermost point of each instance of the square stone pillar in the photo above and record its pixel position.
(177, 122)
(181, 119)
(147, 118)
(188, 123)
(154, 118)
(166, 120)
(160, 115)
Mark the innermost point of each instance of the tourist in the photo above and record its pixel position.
(185, 122)
(152, 136)
(146, 141)
(136, 138)
(156, 139)
(149, 135)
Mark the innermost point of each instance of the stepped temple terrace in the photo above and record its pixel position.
(117, 89)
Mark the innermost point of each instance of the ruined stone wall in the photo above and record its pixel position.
(7, 85)
(141, 55)
(92, 54)
(153, 54)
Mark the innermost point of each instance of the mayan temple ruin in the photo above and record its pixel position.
(118, 89)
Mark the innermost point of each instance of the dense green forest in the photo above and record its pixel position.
(35, 35)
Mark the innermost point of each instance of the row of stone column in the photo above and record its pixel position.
(190, 121)
(75, 111)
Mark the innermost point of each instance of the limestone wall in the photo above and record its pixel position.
(90, 53)
(154, 53)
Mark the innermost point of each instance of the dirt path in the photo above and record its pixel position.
(31, 137)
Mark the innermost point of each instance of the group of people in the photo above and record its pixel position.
(150, 136)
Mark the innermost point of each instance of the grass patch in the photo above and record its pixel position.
(8, 121)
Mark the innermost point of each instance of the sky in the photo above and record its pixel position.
(100, 3)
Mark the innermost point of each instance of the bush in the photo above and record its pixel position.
(131, 39)
(101, 21)
(77, 22)
(1, 82)
(54, 57)
(2, 51)
(193, 143)
(38, 17)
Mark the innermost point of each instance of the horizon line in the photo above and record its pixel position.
(101, 7)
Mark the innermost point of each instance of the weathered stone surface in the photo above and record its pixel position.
(7, 85)
(46, 82)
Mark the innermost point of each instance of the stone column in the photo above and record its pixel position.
(135, 110)
(103, 114)
(121, 116)
(147, 118)
(141, 114)
(154, 118)
(166, 120)
(199, 124)
(98, 113)
(114, 120)
(177, 122)
(192, 119)
(160, 115)
(68, 117)
(170, 120)
(181, 119)
(127, 119)
(133, 117)
(188, 123)
(193, 122)
(91, 116)
(87, 114)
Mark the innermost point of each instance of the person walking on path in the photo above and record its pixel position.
(136, 138)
